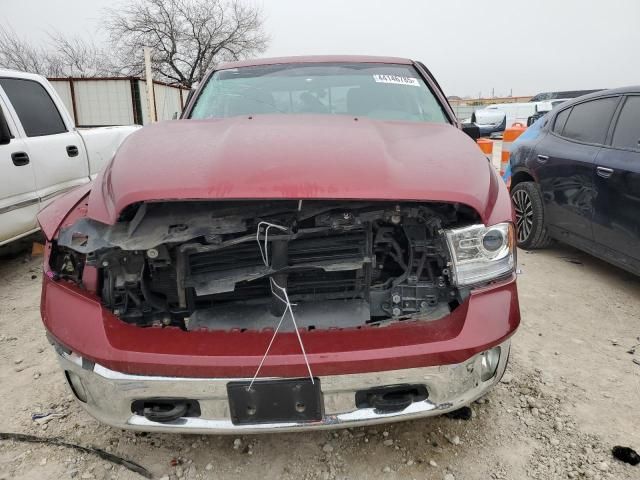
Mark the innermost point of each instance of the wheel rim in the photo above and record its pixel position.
(524, 214)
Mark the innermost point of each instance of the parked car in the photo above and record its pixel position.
(494, 119)
(576, 177)
(490, 120)
(42, 154)
(315, 244)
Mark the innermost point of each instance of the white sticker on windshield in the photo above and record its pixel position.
(396, 79)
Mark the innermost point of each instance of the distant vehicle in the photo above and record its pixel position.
(575, 177)
(495, 118)
(42, 154)
(540, 97)
(489, 120)
(543, 108)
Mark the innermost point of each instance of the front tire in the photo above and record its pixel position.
(527, 201)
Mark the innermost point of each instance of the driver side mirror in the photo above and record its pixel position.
(472, 130)
(5, 133)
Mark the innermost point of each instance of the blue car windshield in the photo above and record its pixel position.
(379, 91)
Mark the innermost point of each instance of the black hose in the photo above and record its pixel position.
(135, 299)
(398, 257)
(152, 299)
(407, 271)
(421, 265)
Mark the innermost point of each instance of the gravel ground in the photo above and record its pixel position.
(571, 393)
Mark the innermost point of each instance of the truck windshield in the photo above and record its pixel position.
(379, 91)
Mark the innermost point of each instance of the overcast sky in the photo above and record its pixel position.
(471, 46)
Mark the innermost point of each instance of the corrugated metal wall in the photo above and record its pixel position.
(168, 100)
(63, 88)
(103, 102)
(116, 101)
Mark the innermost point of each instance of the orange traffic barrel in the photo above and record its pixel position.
(508, 137)
(486, 146)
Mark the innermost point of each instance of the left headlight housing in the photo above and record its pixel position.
(480, 254)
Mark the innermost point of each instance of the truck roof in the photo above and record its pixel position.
(4, 72)
(315, 59)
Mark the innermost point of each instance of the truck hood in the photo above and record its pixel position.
(296, 157)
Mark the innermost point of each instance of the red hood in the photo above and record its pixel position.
(298, 157)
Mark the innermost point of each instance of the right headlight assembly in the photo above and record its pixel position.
(480, 254)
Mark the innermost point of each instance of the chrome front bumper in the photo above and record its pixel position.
(110, 395)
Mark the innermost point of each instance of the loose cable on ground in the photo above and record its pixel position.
(133, 466)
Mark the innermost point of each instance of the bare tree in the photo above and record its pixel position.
(61, 56)
(187, 37)
(17, 54)
(77, 57)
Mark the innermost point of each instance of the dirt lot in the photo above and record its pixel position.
(571, 393)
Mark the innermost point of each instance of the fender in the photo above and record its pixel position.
(51, 217)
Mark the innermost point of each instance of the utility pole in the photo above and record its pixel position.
(151, 98)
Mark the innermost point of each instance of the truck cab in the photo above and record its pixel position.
(42, 153)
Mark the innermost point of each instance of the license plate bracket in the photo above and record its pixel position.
(275, 401)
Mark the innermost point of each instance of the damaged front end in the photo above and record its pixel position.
(212, 264)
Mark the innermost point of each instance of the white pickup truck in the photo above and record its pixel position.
(42, 153)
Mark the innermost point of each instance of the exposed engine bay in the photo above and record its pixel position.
(213, 265)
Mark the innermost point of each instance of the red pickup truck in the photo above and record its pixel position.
(316, 243)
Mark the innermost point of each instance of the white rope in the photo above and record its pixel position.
(282, 296)
(265, 253)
